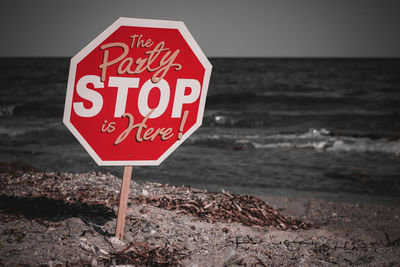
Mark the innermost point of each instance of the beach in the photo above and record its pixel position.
(229, 133)
(66, 219)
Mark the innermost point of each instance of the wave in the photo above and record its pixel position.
(317, 139)
(17, 128)
(344, 145)
(252, 98)
(357, 120)
(38, 109)
(315, 98)
(7, 110)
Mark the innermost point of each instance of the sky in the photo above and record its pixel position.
(264, 28)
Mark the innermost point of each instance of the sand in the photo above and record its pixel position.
(64, 219)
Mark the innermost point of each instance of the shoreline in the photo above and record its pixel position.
(69, 219)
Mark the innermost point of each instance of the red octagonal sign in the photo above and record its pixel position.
(137, 91)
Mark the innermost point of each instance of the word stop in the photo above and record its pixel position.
(124, 84)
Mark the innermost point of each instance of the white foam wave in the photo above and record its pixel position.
(312, 133)
(7, 110)
(316, 145)
(320, 140)
(366, 145)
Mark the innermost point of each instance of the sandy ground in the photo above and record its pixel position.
(62, 219)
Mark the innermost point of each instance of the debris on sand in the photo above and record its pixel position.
(65, 219)
(103, 189)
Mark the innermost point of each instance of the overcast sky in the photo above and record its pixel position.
(281, 28)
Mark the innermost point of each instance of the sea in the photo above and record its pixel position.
(326, 128)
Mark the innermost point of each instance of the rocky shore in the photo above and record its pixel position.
(65, 219)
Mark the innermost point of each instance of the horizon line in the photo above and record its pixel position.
(245, 57)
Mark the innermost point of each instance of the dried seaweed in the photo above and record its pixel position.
(226, 207)
(139, 253)
(103, 189)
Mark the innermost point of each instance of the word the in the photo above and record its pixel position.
(140, 42)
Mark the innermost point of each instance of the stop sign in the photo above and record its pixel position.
(137, 91)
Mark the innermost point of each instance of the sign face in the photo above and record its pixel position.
(137, 91)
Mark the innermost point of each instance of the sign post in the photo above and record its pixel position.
(123, 202)
(135, 93)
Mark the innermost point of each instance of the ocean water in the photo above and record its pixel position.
(323, 128)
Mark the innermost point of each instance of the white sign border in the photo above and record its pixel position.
(179, 25)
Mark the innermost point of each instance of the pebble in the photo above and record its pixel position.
(229, 253)
(145, 192)
(160, 217)
(146, 229)
(102, 251)
(55, 263)
(116, 242)
(85, 246)
(94, 262)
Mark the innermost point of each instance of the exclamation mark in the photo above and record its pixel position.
(185, 113)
